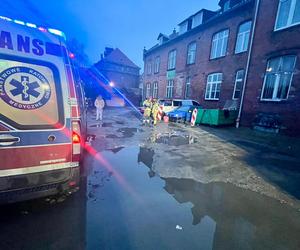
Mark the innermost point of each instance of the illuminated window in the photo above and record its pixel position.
(278, 78)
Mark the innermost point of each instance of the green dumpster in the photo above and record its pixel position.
(216, 117)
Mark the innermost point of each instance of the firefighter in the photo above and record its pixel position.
(99, 104)
(155, 109)
(148, 107)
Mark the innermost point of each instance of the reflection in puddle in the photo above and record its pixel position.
(127, 132)
(212, 216)
(173, 139)
(102, 125)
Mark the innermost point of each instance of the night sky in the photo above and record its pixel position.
(127, 24)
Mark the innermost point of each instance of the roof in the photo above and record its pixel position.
(118, 57)
(162, 35)
(210, 21)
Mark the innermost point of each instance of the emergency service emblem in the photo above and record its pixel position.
(24, 88)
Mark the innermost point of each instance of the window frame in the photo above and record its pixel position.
(207, 83)
(235, 83)
(156, 64)
(212, 43)
(148, 94)
(155, 90)
(277, 80)
(190, 52)
(290, 24)
(168, 87)
(187, 83)
(237, 35)
(168, 66)
(149, 67)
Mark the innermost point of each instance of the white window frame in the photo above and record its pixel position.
(219, 37)
(170, 89)
(244, 35)
(277, 80)
(209, 85)
(290, 18)
(148, 90)
(157, 65)
(237, 80)
(149, 68)
(187, 86)
(155, 90)
(172, 59)
(191, 53)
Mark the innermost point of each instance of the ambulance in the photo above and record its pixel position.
(42, 113)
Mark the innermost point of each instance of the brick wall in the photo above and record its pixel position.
(203, 66)
(267, 44)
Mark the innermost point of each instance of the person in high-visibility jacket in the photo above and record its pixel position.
(148, 107)
(155, 109)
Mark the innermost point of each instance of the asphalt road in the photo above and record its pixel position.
(168, 187)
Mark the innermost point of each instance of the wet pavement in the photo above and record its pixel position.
(169, 187)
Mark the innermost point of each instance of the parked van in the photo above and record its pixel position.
(42, 113)
(170, 105)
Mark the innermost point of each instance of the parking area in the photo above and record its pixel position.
(169, 187)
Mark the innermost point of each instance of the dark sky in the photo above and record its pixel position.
(127, 24)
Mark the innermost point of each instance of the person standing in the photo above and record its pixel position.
(99, 104)
(147, 112)
(155, 108)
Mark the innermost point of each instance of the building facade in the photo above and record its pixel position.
(121, 72)
(212, 57)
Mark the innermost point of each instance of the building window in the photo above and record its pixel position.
(242, 40)
(219, 44)
(170, 88)
(188, 87)
(155, 90)
(191, 54)
(148, 90)
(172, 60)
(226, 5)
(278, 78)
(213, 86)
(288, 14)
(149, 68)
(157, 64)
(239, 79)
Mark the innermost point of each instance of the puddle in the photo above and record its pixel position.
(120, 122)
(174, 140)
(115, 150)
(127, 132)
(102, 125)
(112, 136)
(214, 215)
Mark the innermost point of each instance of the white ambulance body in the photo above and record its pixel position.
(42, 118)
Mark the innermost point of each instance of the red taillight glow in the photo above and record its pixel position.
(75, 137)
(71, 55)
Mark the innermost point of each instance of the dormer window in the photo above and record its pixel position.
(160, 40)
(226, 5)
(197, 20)
(183, 27)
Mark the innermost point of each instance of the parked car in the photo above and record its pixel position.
(182, 114)
(170, 105)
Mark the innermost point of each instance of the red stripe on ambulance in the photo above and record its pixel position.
(33, 156)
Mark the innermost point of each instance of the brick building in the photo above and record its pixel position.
(122, 72)
(211, 57)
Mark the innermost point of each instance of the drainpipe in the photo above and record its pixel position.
(248, 64)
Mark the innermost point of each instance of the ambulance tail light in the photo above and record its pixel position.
(76, 138)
